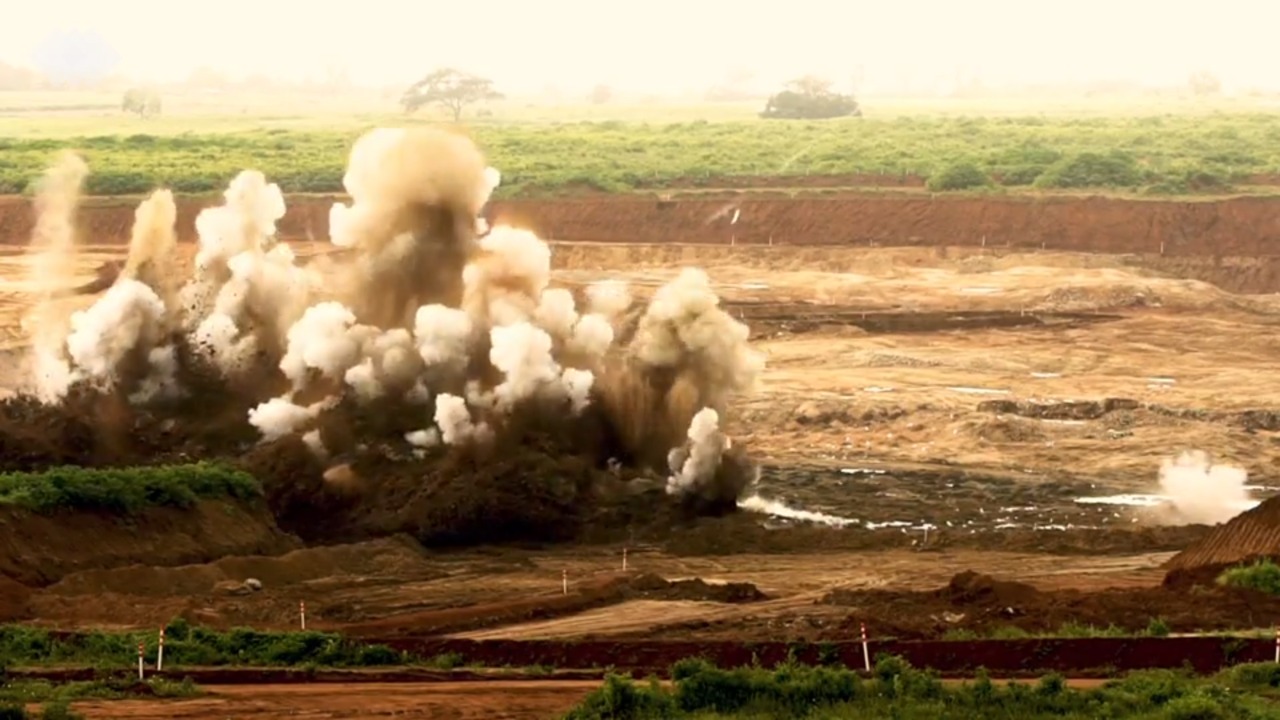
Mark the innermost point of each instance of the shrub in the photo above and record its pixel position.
(620, 699)
(1263, 576)
(125, 490)
(1254, 675)
(1157, 627)
(962, 175)
(1091, 169)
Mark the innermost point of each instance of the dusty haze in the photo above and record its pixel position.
(667, 46)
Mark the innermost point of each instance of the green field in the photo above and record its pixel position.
(1172, 149)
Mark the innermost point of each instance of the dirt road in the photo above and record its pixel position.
(496, 700)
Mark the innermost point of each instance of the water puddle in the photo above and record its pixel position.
(1127, 500)
(1143, 500)
(776, 508)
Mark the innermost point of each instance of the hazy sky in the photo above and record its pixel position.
(654, 45)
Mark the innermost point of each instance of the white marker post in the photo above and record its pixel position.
(564, 581)
(866, 653)
(160, 653)
(1277, 645)
(302, 613)
(141, 649)
(624, 559)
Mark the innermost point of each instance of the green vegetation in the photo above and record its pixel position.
(901, 692)
(1263, 575)
(1156, 627)
(125, 490)
(1160, 153)
(56, 699)
(185, 645)
(963, 175)
(43, 691)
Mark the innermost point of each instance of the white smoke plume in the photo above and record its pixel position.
(695, 464)
(1200, 492)
(458, 333)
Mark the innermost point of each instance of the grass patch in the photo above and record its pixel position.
(125, 490)
(1263, 576)
(1156, 627)
(56, 699)
(898, 691)
(1161, 153)
(40, 691)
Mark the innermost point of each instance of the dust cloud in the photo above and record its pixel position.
(422, 333)
(1201, 492)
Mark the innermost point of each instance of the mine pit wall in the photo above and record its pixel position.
(1233, 243)
(40, 549)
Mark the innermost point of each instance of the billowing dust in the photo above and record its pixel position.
(428, 345)
(1200, 491)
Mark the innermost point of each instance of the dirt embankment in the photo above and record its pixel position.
(1233, 243)
(37, 549)
(1243, 226)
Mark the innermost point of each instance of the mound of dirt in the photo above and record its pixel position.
(1252, 534)
(978, 603)
(649, 585)
(969, 587)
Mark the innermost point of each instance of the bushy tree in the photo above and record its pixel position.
(1204, 83)
(810, 98)
(451, 89)
(144, 103)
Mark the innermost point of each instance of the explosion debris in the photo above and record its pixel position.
(414, 340)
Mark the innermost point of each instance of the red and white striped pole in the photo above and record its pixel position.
(302, 613)
(564, 581)
(160, 653)
(866, 653)
(141, 649)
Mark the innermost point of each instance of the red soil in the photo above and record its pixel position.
(1244, 226)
